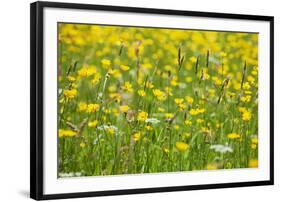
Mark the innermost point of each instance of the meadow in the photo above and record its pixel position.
(146, 100)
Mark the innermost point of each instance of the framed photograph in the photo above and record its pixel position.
(136, 100)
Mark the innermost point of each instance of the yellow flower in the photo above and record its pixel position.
(127, 87)
(82, 144)
(70, 93)
(168, 115)
(188, 122)
(137, 136)
(82, 106)
(193, 59)
(148, 127)
(176, 127)
(193, 112)
(66, 133)
(160, 95)
(254, 140)
(105, 63)
(188, 99)
(141, 93)
(71, 78)
(160, 109)
(142, 116)
(92, 108)
(246, 116)
(242, 109)
(93, 124)
(253, 163)
(115, 96)
(233, 136)
(96, 79)
(112, 88)
(182, 146)
(246, 98)
(196, 111)
(87, 71)
(212, 166)
(223, 54)
(149, 85)
(124, 67)
(174, 81)
(110, 130)
(178, 101)
(124, 108)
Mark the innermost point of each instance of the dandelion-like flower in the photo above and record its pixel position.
(142, 116)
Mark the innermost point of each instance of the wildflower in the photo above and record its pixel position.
(242, 109)
(221, 148)
(71, 78)
(176, 127)
(93, 124)
(160, 95)
(253, 163)
(112, 88)
(168, 90)
(124, 108)
(193, 59)
(196, 111)
(148, 127)
(82, 106)
(141, 93)
(168, 115)
(152, 120)
(70, 93)
(105, 63)
(92, 108)
(246, 116)
(110, 129)
(127, 87)
(82, 144)
(188, 99)
(174, 81)
(137, 136)
(233, 136)
(115, 96)
(87, 71)
(223, 54)
(212, 166)
(182, 146)
(179, 101)
(149, 85)
(246, 98)
(96, 79)
(124, 67)
(66, 133)
(142, 116)
(188, 122)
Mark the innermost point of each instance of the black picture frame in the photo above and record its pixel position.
(36, 98)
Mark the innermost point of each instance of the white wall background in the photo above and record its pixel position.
(14, 100)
